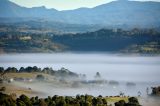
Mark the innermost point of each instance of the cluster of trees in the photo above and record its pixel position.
(132, 101)
(61, 72)
(79, 100)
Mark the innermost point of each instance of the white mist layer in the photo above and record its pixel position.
(111, 67)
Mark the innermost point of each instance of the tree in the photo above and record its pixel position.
(120, 103)
(40, 77)
(6, 100)
(133, 102)
(94, 101)
(42, 102)
(88, 103)
(35, 69)
(29, 69)
(88, 98)
(1, 69)
(21, 69)
(20, 103)
(104, 101)
(11, 69)
(99, 101)
(97, 76)
(3, 89)
(25, 99)
(33, 100)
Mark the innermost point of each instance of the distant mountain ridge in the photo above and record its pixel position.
(116, 13)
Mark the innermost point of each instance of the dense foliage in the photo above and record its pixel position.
(79, 100)
(113, 40)
(156, 91)
(132, 101)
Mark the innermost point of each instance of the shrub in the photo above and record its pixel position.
(40, 77)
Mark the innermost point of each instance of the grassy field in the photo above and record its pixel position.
(116, 99)
(25, 75)
(21, 75)
(13, 89)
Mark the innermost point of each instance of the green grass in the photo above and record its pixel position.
(116, 99)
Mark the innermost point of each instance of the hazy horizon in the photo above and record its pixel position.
(67, 4)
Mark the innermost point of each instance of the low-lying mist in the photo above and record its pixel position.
(111, 66)
(50, 89)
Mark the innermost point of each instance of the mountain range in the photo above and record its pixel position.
(117, 13)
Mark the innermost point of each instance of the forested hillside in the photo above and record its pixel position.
(104, 40)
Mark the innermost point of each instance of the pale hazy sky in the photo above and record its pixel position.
(64, 4)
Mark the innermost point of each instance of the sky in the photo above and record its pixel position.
(64, 4)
